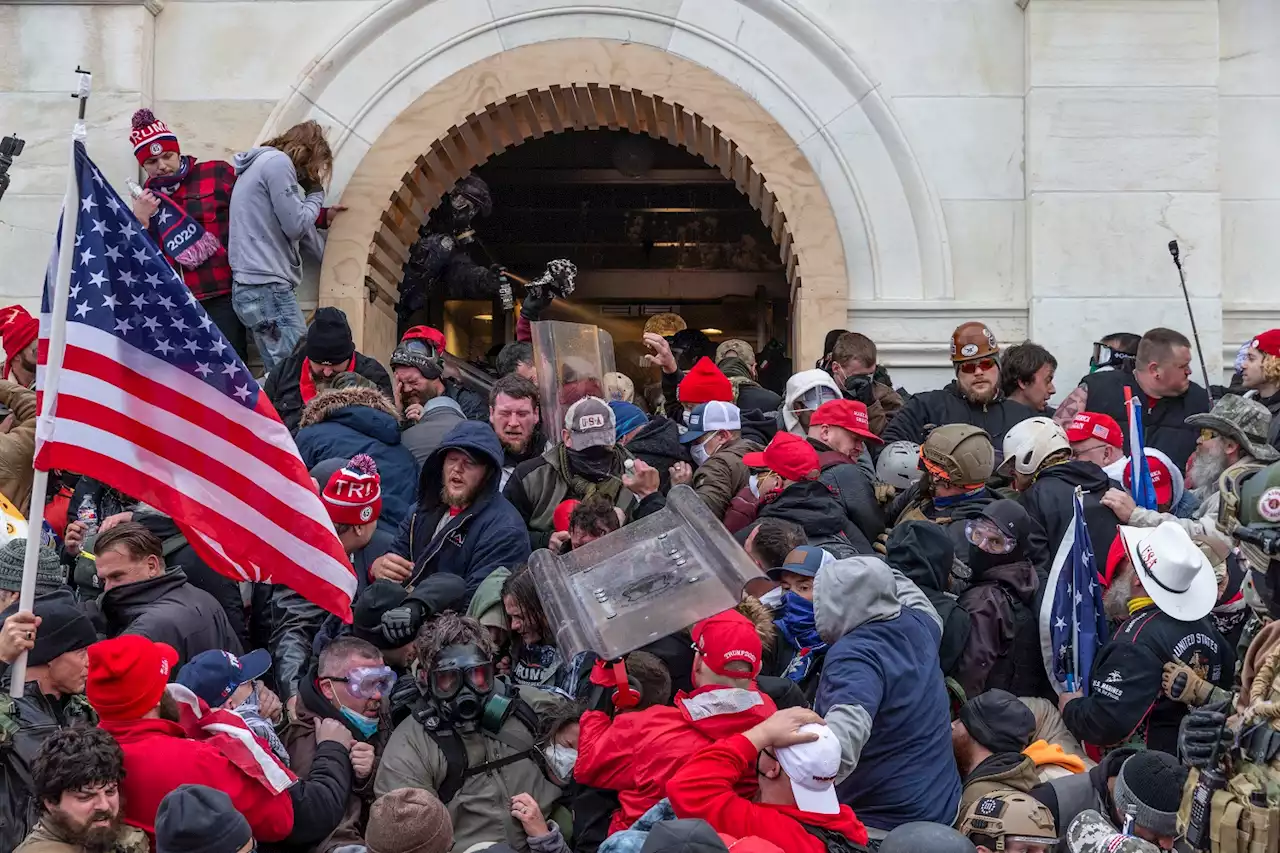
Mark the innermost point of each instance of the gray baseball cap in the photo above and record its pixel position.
(591, 423)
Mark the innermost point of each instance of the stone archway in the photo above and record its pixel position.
(536, 113)
(791, 97)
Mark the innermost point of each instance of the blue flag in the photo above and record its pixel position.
(1141, 486)
(1073, 624)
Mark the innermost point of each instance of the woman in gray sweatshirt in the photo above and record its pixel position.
(276, 209)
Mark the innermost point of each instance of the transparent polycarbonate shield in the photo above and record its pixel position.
(470, 376)
(650, 579)
(572, 359)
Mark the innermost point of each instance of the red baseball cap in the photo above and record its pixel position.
(725, 638)
(435, 337)
(127, 676)
(1267, 343)
(789, 455)
(1087, 425)
(846, 414)
(1115, 556)
(1160, 478)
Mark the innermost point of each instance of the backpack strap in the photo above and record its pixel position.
(455, 763)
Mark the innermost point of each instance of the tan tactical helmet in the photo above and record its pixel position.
(972, 340)
(960, 454)
(1008, 815)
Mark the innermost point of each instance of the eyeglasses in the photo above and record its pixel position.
(980, 364)
(1207, 434)
(367, 682)
(985, 536)
(445, 683)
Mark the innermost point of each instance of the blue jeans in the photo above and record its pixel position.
(271, 313)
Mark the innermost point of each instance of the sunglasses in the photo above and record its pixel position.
(975, 366)
(1207, 434)
(367, 682)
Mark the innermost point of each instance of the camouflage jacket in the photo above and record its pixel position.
(44, 839)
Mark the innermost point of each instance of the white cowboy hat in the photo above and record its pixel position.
(1173, 570)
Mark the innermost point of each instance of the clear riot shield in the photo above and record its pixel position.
(470, 376)
(572, 359)
(652, 578)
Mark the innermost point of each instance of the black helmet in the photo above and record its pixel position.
(925, 837)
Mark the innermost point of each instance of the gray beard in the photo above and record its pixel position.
(1205, 471)
(1115, 601)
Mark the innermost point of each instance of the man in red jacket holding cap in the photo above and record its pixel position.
(635, 754)
(126, 687)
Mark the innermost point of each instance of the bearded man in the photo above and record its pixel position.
(76, 778)
(1233, 434)
(514, 416)
(461, 523)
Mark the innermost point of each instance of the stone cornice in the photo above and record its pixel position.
(152, 6)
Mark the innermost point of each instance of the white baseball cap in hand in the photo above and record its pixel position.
(812, 768)
(1173, 570)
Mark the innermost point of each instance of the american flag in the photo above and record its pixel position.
(1073, 623)
(1141, 486)
(153, 401)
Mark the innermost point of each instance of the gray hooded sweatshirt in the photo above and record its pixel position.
(270, 220)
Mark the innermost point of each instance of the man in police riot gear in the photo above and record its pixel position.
(973, 398)
(1242, 742)
(1163, 589)
(472, 740)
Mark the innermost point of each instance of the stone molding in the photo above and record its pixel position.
(152, 6)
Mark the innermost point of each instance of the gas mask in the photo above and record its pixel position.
(461, 212)
(460, 683)
(860, 388)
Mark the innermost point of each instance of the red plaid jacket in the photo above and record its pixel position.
(206, 197)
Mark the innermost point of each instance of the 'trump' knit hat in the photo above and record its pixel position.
(408, 820)
(353, 493)
(1152, 783)
(999, 721)
(329, 337)
(63, 628)
(50, 575)
(199, 819)
(704, 383)
(127, 676)
(151, 137)
(17, 330)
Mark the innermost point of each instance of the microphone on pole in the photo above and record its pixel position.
(1195, 334)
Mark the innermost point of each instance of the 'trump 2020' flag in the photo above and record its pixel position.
(152, 400)
(1073, 624)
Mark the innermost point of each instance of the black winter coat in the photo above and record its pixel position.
(1003, 651)
(657, 444)
(179, 554)
(284, 384)
(948, 406)
(473, 404)
(811, 505)
(923, 552)
(753, 396)
(168, 609)
(1164, 424)
(1050, 503)
(760, 426)
(852, 487)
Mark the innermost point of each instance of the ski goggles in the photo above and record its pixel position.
(980, 364)
(986, 536)
(419, 346)
(1105, 356)
(367, 682)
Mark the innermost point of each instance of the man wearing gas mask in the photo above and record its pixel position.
(347, 684)
(1237, 749)
(472, 740)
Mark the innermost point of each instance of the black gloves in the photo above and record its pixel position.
(1200, 730)
(400, 624)
(533, 306)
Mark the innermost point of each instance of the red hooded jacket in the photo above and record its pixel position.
(636, 754)
(704, 788)
(158, 757)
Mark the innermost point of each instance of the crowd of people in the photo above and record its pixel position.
(886, 682)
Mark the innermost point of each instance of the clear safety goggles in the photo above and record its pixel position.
(813, 398)
(986, 536)
(367, 682)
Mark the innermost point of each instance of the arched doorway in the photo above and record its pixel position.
(863, 221)
(656, 206)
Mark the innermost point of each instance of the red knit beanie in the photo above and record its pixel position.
(705, 384)
(151, 137)
(17, 330)
(127, 676)
(353, 494)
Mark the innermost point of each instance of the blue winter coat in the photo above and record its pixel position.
(342, 424)
(486, 535)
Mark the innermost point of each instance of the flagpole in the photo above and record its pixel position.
(53, 366)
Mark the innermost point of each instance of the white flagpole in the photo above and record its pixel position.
(53, 366)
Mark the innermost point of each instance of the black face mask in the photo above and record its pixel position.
(860, 388)
(594, 462)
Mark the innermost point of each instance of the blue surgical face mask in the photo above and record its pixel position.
(363, 724)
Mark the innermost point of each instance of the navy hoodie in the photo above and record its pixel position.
(486, 535)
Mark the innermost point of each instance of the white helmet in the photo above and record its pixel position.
(899, 464)
(1028, 443)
